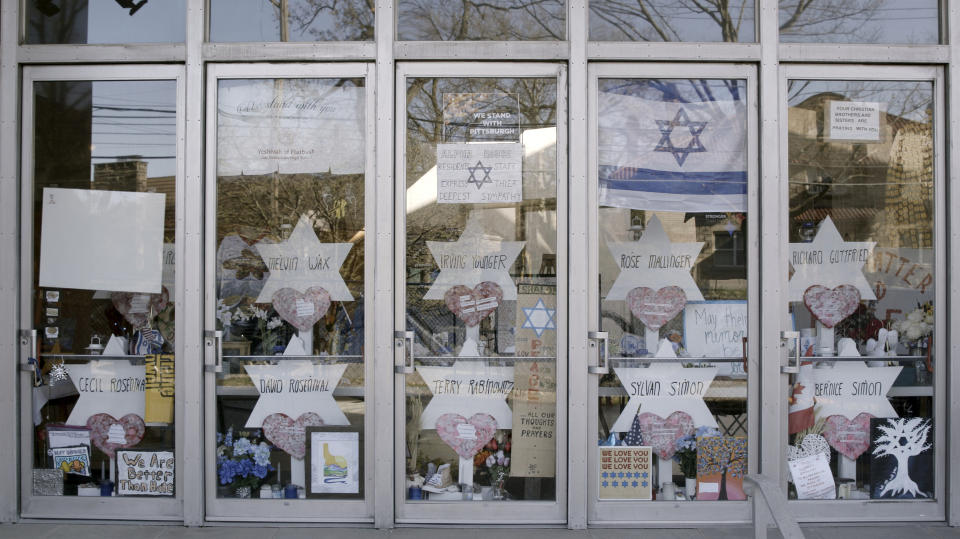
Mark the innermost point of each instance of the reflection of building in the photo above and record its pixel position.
(129, 173)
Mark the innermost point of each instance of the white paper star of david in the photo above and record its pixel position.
(829, 261)
(539, 318)
(851, 388)
(302, 262)
(311, 391)
(654, 261)
(107, 387)
(664, 388)
(473, 259)
(467, 388)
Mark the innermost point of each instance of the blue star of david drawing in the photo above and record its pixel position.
(635, 484)
(604, 475)
(605, 484)
(666, 130)
(645, 474)
(616, 484)
(644, 483)
(539, 318)
(473, 175)
(620, 475)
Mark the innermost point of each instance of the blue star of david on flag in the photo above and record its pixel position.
(473, 175)
(666, 140)
(539, 318)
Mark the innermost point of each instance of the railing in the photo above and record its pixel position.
(769, 507)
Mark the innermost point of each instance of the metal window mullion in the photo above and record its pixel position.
(953, 279)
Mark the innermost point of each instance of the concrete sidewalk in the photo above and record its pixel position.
(110, 531)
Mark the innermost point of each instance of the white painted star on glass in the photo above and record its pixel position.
(852, 388)
(829, 261)
(467, 388)
(654, 261)
(539, 318)
(303, 261)
(295, 387)
(474, 258)
(107, 387)
(664, 388)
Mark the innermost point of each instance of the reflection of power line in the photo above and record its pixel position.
(141, 157)
(143, 109)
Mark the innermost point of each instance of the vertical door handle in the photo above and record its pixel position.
(30, 355)
(213, 341)
(599, 338)
(786, 336)
(404, 340)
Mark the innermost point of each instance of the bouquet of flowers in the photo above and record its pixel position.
(243, 314)
(917, 325)
(493, 461)
(244, 461)
(686, 453)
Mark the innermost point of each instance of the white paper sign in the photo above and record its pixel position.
(107, 387)
(117, 434)
(334, 462)
(467, 388)
(829, 261)
(851, 388)
(479, 173)
(102, 240)
(854, 120)
(305, 308)
(145, 473)
(664, 388)
(295, 387)
(467, 432)
(716, 329)
(813, 478)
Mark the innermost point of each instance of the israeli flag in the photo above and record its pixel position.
(672, 156)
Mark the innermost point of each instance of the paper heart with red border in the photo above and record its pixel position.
(831, 306)
(453, 429)
(123, 302)
(656, 307)
(662, 434)
(100, 424)
(290, 435)
(473, 305)
(302, 309)
(849, 438)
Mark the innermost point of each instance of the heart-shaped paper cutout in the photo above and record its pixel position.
(132, 432)
(473, 305)
(656, 308)
(831, 306)
(466, 436)
(812, 444)
(136, 308)
(849, 438)
(662, 434)
(301, 309)
(290, 435)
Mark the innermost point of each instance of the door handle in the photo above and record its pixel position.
(404, 340)
(30, 354)
(786, 336)
(599, 338)
(213, 340)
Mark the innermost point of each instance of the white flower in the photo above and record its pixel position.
(274, 323)
(928, 319)
(260, 313)
(491, 460)
(915, 316)
(914, 332)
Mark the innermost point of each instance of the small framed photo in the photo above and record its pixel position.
(334, 462)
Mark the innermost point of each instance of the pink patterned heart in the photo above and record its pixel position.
(474, 305)
(302, 310)
(656, 308)
(830, 307)
(466, 436)
(290, 435)
(662, 433)
(143, 304)
(850, 438)
(100, 425)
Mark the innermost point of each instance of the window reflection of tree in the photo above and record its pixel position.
(491, 20)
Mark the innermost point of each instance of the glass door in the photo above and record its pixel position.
(288, 286)
(862, 248)
(480, 288)
(673, 295)
(101, 293)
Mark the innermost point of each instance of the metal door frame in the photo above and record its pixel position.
(776, 202)
(634, 513)
(76, 507)
(309, 510)
(513, 512)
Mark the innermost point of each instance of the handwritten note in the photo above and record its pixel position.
(145, 473)
(813, 479)
(716, 329)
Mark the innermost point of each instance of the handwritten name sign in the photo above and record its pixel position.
(109, 387)
(479, 173)
(852, 388)
(467, 388)
(145, 473)
(294, 388)
(654, 261)
(664, 388)
(829, 261)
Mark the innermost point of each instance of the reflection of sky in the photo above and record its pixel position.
(256, 20)
(906, 99)
(135, 118)
(158, 21)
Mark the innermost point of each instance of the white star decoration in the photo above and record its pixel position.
(473, 259)
(851, 388)
(467, 388)
(313, 391)
(654, 261)
(664, 388)
(112, 387)
(539, 318)
(302, 262)
(829, 261)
